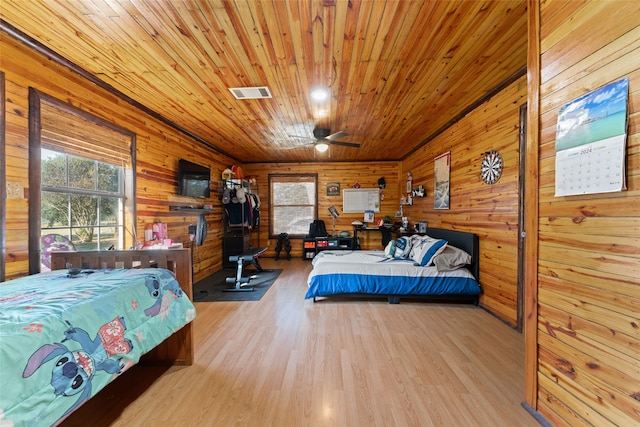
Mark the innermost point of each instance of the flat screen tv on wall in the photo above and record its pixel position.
(193, 179)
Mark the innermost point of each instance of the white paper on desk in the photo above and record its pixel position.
(368, 216)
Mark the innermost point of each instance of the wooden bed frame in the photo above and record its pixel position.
(468, 242)
(178, 348)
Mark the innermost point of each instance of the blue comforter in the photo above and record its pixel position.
(63, 339)
(370, 272)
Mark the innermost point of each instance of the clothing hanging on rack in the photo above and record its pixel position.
(254, 202)
(237, 209)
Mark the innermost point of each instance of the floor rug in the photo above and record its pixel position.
(212, 288)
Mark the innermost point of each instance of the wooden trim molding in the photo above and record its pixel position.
(531, 206)
(522, 213)
(34, 180)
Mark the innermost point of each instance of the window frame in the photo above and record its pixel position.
(36, 99)
(295, 177)
(68, 189)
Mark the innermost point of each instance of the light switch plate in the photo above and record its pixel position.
(15, 190)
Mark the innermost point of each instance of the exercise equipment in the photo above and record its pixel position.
(283, 240)
(240, 260)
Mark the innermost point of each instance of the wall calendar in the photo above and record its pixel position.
(591, 142)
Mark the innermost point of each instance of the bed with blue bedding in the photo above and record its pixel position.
(437, 265)
(66, 336)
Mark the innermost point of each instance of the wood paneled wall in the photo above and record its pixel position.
(491, 211)
(159, 146)
(588, 339)
(345, 173)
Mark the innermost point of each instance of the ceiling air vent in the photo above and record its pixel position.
(250, 92)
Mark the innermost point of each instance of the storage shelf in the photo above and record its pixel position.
(312, 246)
(188, 209)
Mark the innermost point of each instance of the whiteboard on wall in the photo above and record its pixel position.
(360, 200)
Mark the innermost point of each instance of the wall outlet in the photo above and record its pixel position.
(15, 190)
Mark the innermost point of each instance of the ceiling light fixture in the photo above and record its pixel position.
(320, 95)
(321, 147)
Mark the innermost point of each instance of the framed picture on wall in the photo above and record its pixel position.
(441, 169)
(333, 189)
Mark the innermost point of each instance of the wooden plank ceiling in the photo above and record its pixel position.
(397, 71)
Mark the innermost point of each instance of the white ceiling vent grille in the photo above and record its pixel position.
(250, 92)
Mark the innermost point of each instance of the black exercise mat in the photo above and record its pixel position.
(211, 288)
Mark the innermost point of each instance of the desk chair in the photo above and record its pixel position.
(386, 235)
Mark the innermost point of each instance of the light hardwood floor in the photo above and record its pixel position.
(285, 361)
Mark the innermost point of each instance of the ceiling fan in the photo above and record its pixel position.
(323, 137)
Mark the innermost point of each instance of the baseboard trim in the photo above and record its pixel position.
(535, 414)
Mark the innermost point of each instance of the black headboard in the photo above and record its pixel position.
(468, 242)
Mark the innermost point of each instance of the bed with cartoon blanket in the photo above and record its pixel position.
(439, 265)
(63, 338)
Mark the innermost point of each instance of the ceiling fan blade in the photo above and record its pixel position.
(329, 139)
(299, 147)
(344, 143)
(302, 137)
(303, 142)
(336, 135)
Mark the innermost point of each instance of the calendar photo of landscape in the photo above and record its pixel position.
(598, 115)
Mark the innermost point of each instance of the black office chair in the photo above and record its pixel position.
(386, 235)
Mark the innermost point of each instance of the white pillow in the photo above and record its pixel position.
(451, 258)
(403, 247)
(390, 250)
(425, 250)
(416, 246)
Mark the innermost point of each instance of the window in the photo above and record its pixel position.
(82, 200)
(81, 180)
(292, 204)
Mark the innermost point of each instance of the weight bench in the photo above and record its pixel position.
(240, 260)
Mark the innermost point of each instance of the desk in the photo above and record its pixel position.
(358, 229)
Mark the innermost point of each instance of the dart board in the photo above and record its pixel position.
(491, 167)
